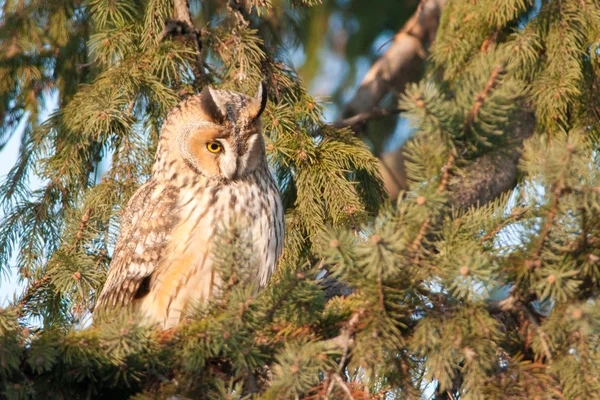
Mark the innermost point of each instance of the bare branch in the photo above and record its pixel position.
(358, 120)
(181, 26)
(402, 62)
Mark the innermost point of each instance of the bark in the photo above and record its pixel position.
(182, 27)
(493, 173)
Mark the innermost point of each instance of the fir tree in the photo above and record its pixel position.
(477, 280)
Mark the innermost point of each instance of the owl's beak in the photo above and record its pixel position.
(229, 166)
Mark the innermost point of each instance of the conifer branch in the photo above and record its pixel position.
(493, 173)
(30, 292)
(82, 224)
(549, 221)
(516, 215)
(381, 294)
(441, 188)
(344, 340)
(543, 337)
(446, 174)
(420, 235)
(239, 11)
(336, 379)
(480, 99)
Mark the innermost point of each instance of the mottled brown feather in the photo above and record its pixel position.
(151, 203)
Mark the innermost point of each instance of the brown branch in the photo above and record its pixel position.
(493, 173)
(402, 62)
(422, 231)
(345, 340)
(181, 26)
(446, 174)
(238, 10)
(480, 99)
(444, 182)
(82, 224)
(30, 292)
(549, 221)
(358, 120)
(516, 215)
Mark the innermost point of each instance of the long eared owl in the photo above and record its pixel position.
(210, 169)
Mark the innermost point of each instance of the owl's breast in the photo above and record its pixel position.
(253, 206)
(186, 273)
(256, 209)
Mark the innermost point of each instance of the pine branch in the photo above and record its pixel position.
(82, 224)
(516, 215)
(345, 340)
(237, 8)
(420, 235)
(441, 188)
(558, 190)
(31, 291)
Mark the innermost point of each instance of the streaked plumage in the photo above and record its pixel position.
(162, 261)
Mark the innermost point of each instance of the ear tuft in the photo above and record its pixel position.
(261, 96)
(210, 105)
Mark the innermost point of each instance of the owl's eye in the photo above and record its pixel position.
(214, 147)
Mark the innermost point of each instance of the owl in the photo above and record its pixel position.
(210, 171)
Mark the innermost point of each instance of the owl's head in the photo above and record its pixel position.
(218, 132)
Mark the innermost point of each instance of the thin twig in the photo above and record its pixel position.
(84, 219)
(422, 230)
(443, 184)
(364, 117)
(343, 386)
(481, 97)
(549, 221)
(446, 174)
(345, 341)
(515, 216)
(31, 289)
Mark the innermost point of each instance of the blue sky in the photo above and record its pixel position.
(9, 282)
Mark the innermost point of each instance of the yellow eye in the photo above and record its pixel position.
(214, 147)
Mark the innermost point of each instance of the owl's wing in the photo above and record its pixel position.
(145, 226)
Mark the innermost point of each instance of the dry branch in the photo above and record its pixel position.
(356, 121)
(181, 26)
(402, 62)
